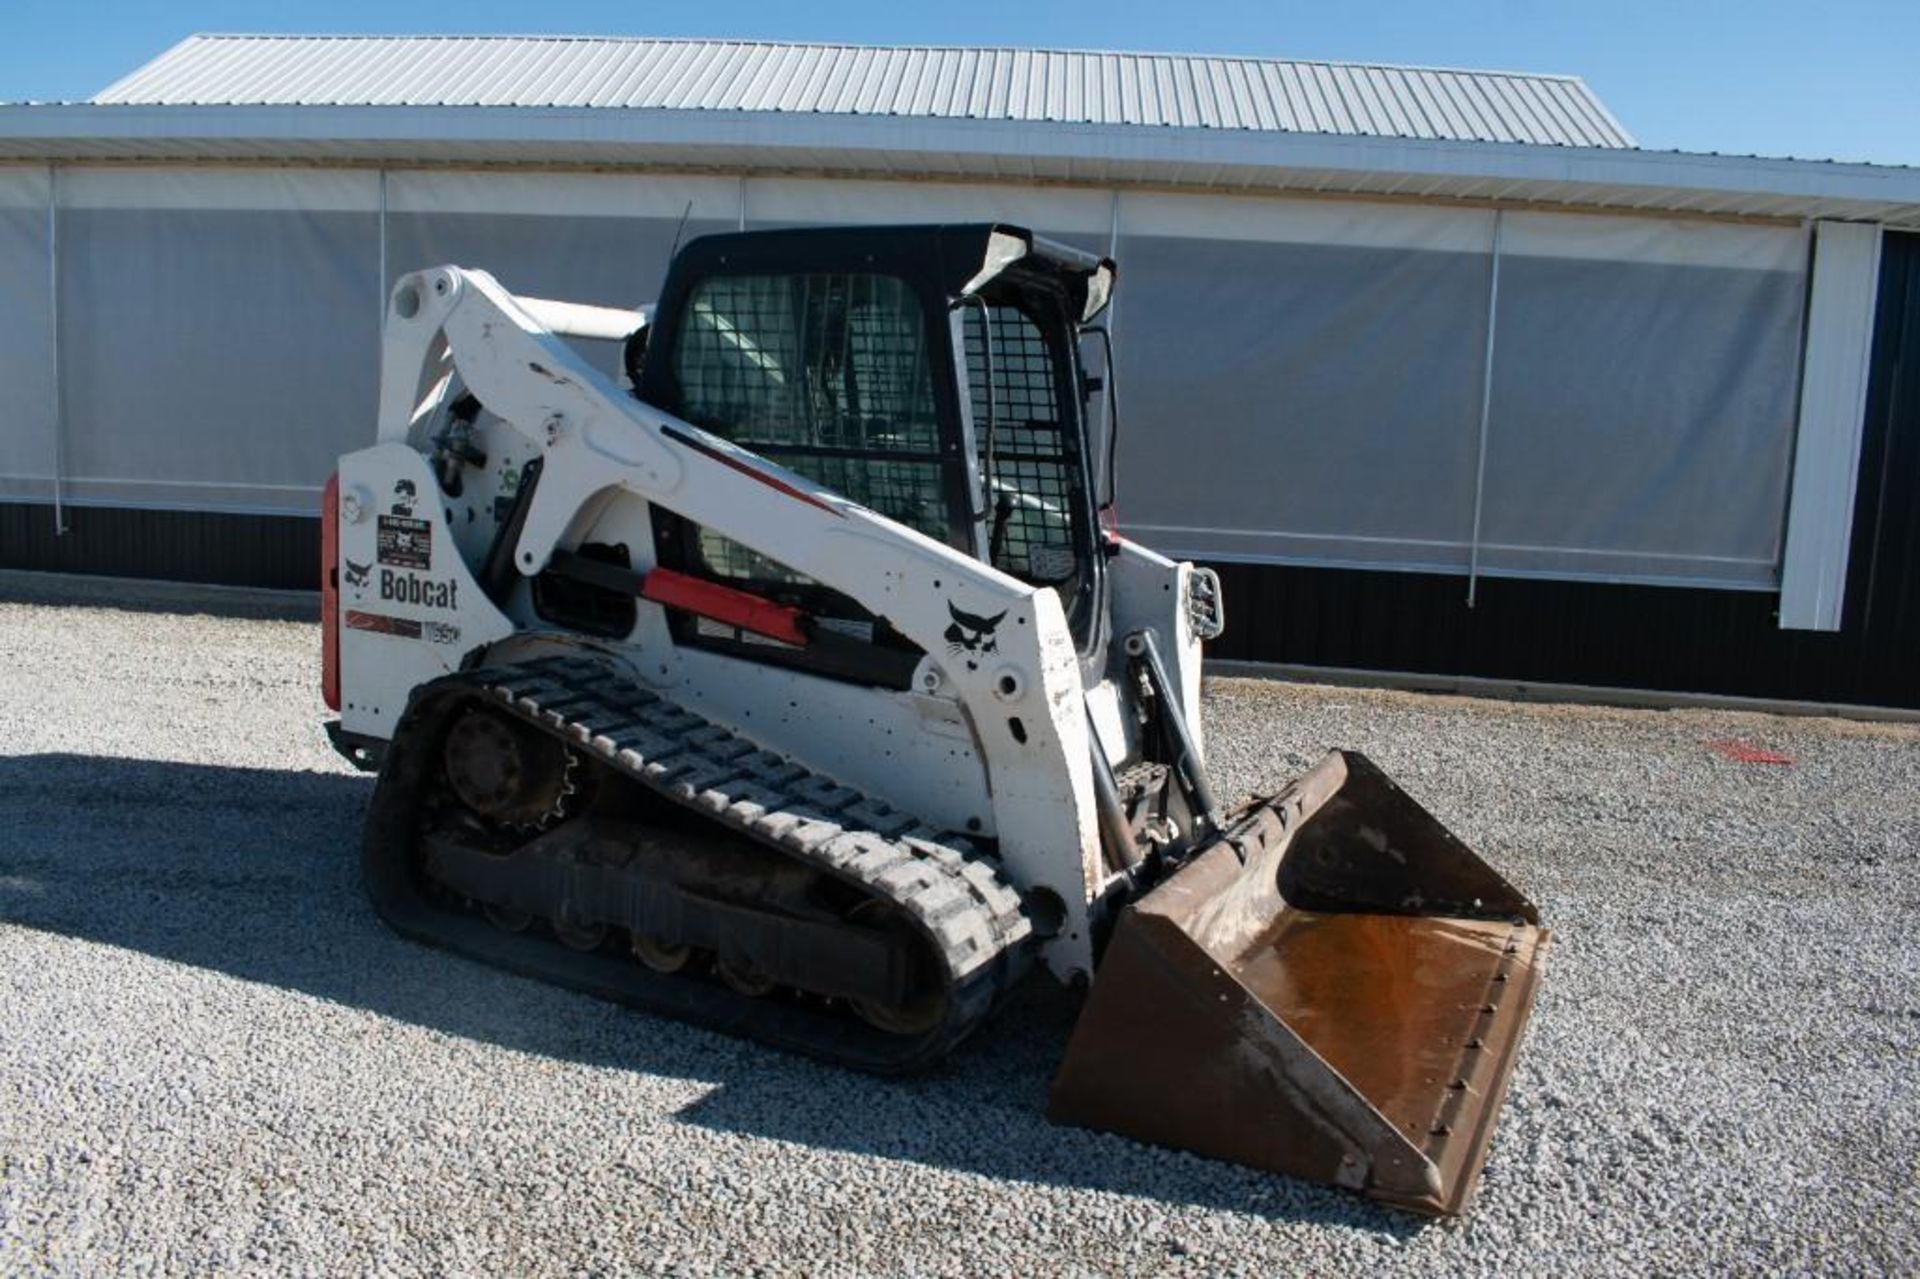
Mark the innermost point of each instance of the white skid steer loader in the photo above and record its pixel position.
(799, 686)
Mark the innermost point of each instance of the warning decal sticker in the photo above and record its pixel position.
(404, 542)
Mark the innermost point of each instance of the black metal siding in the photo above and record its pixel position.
(1705, 641)
(280, 551)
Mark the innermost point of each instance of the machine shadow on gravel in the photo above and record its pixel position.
(253, 873)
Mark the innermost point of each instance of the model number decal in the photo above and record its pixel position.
(404, 627)
(404, 542)
(405, 588)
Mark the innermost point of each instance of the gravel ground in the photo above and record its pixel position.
(213, 1058)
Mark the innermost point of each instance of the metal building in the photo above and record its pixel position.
(1441, 370)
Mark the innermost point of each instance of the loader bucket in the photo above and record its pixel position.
(1336, 989)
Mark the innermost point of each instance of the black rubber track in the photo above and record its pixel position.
(951, 892)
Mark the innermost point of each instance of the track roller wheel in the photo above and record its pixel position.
(662, 957)
(921, 1011)
(744, 979)
(575, 935)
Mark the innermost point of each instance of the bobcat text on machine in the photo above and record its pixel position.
(799, 686)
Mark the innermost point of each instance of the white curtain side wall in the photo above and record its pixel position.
(1319, 378)
(1645, 379)
(27, 422)
(218, 333)
(1302, 381)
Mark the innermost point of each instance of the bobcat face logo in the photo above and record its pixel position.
(972, 635)
(357, 574)
(403, 495)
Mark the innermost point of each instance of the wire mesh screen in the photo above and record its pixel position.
(1032, 461)
(829, 375)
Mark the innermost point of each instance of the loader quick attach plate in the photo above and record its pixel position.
(1336, 989)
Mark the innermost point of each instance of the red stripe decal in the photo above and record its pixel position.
(751, 472)
(382, 624)
(724, 604)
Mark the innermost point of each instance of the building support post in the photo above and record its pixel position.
(59, 404)
(1486, 411)
(1836, 368)
(383, 251)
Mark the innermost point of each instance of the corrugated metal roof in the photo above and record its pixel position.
(1036, 85)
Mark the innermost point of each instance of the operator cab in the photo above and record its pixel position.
(929, 373)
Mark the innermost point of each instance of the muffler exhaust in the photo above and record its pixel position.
(1336, 989)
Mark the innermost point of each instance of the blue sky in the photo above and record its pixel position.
(1839, 80)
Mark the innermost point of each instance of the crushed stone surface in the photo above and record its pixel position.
(214, 1058)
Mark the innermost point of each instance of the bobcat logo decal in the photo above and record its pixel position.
(357, 574)
(972, 634)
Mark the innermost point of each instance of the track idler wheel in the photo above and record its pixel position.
(505, 771)
(920, 1011)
